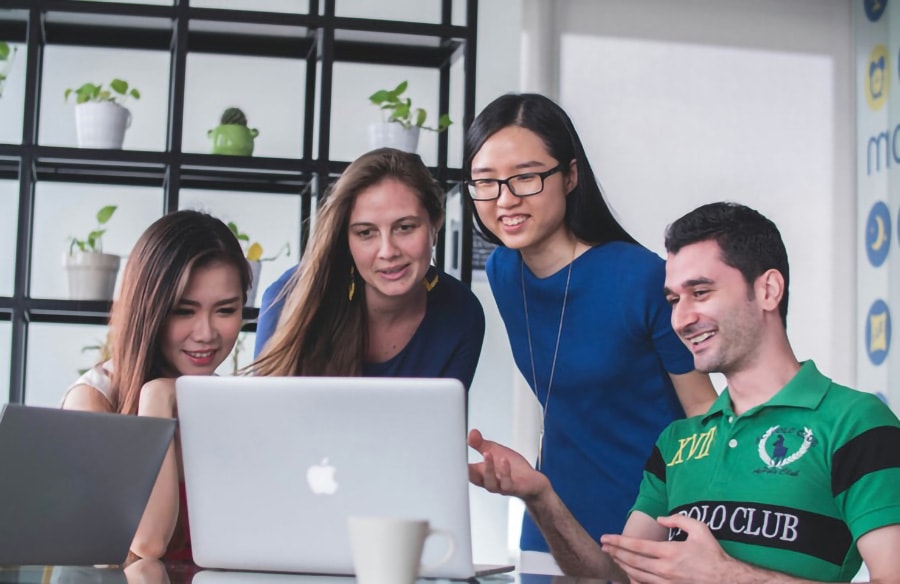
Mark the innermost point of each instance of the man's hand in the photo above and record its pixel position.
(504, 470)
(699, 560)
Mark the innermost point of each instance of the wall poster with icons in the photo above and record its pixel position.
(877, 38)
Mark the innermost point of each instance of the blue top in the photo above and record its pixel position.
(611, 394)
(446, 344)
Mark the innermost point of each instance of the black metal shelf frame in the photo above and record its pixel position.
(319, 37)
(54, 310)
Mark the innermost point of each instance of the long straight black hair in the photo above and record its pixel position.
(156, 275)
(587, 214)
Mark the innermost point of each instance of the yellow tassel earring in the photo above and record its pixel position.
(429, 286)
(352, 290)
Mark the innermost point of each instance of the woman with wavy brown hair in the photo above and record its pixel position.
(366, 300)
(178, 313)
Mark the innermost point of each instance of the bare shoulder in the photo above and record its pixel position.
(160, 389)
(158, 398)
(86, 398)
(165, 384)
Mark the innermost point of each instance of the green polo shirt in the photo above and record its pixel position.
(789, 485)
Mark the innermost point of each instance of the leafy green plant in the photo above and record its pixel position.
(118, 92)
(5, 50)
(7, 56)
(104, 351)
(236, 353)
(254, 251)
(400, 110)
(93, 242)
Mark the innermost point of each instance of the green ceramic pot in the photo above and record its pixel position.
(232, 139)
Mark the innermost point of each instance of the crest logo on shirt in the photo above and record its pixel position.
(780, 447)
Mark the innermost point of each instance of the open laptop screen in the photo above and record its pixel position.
(75, 484)
(275, 465)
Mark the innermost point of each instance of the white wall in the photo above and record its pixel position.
(492, 396)
(682, 103)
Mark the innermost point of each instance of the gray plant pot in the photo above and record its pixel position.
(91, 275)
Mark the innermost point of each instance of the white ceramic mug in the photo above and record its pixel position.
(388, 550)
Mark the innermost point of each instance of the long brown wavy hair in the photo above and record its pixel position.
(155, 277)
(320, 330)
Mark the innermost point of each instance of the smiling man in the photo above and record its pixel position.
(787, 478)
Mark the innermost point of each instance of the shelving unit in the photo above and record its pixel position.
(318, 37)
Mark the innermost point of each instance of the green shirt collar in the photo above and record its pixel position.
(805, 390)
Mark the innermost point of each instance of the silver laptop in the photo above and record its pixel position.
(227, 577)
(75, 484)
(273, 467)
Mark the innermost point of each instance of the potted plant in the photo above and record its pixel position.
(254, 253)
(100, 117)
(103, 349)
(232, 136)
(402, 123)
(7, 57)
(236, 353)
(92, 273)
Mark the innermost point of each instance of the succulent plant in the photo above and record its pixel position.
(234, 116)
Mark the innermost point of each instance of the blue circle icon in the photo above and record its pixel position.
(878, 233)
(874, 9)
(878, 332)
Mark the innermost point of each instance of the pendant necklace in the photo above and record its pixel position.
(562, 315)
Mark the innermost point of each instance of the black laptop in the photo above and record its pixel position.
(73, 485)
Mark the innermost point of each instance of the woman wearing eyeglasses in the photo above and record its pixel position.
(584, 309)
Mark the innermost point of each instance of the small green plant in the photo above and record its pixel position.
(117, 92)
(254, 251)
(234, 117)
(104, 351)
(232, 136)
(7, 57)
(5, 50)
(400, 110)
(93, 242)
(236, 353)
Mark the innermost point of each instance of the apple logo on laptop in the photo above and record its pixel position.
(321, 478)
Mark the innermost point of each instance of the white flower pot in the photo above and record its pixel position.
(92, 275)
(393, 135)
(101, 124)
(255, 269)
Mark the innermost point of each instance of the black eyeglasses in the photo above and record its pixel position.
(521, 185)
